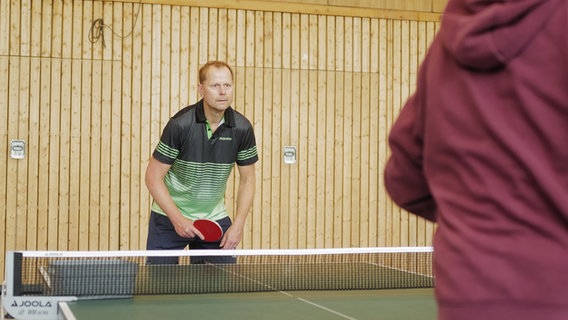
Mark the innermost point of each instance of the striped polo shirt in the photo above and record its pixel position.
(201, 162)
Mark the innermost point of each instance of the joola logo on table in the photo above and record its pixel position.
(32, 303)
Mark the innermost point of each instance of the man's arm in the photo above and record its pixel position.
(245, 197)
(154, 179)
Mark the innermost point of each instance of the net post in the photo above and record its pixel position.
(13, 273)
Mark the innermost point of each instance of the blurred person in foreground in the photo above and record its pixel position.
(481, 148)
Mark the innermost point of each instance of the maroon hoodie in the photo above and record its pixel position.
(482, 149)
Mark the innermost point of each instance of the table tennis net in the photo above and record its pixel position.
(127, 273)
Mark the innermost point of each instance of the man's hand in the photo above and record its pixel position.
(231, 238)
(185, 228)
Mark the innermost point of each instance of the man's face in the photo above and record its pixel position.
(217, 89)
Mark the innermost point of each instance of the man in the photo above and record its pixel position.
(481, 148)
(187, 174)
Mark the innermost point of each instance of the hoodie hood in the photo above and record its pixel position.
(487, 34)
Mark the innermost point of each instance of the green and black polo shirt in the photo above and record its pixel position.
(201, 162)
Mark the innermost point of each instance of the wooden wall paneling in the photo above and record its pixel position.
(54, 220)
(31, 27)
(4, 157)
(83, 121)
(76, 154)
(366, 167)
(279, 209)
(303, 154)
(185, 73)
(26, 201)
(347, 210)
(338, 111)
(339, 195)
(14, 27)
(264, 113)
(326, 49)
(73, 20)
(94, 175)
(4, 121)
(286, 170)
(194, 62)
(63, 14)
(295, 181)
(276, 159)
(355, 156)
(64, 178)
(48, 215)
(272, 50)
(311, 134)
(299, 108)
(173, 63)
(291, 52)
(101, 200)
(166, 108)
(203, 36)
(327, 127)
(231, 38)
(221, 44)
(119, 128)
(240, 40)
(262, 116)
(157, 117)
(381, 70)
(25, 212)
(356, 128)
(319, 33)
(282, 38)
(12, 165)
(439, 5)
(414, 5)
(131, 231)
(213, 22)
(85, 155)
(364, 125)
(95, 159)
(148, 139)
(110, 145)
(322, 197)
(374, 171)
(5, 27)
(271, 177)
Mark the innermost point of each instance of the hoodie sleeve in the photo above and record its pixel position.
(404, 176)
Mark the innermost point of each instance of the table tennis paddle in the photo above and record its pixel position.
(210, 229)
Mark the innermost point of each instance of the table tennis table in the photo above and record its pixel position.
(391, 304)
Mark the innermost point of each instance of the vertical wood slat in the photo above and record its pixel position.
(92, 114)
(119, 122)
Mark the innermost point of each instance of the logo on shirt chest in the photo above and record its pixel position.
(225, 138)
